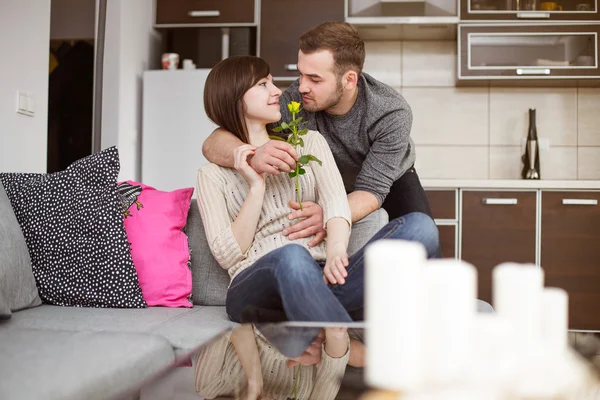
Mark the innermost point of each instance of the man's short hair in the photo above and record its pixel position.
(342, 40)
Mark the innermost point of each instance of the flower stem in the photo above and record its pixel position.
(295, 389)
(298, 187)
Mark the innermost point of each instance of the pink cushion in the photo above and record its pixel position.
(154, 221)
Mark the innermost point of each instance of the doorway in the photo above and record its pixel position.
(71, 82)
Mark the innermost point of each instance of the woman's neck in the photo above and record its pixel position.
(257, 133)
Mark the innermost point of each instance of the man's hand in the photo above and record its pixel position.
(312, 225)
(274, 157)
(334, 271)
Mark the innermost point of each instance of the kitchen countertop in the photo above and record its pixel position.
(508, 184)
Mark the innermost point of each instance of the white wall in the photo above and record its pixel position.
(24, 45)
(72, 19)
(131, 47)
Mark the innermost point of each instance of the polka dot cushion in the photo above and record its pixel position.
(73, 225)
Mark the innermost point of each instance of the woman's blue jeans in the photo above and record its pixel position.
(287, 283)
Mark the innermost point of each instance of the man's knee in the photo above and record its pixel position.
(421, 228)
(364, 229)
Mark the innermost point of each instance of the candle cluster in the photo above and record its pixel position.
(425, 338)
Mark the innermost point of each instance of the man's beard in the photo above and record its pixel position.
(330, 102)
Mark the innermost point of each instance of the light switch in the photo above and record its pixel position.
(25, 104)
(22, 105)
(30, 105)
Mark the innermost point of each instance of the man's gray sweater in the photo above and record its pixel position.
(371, 144)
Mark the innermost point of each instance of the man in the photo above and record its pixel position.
(367, 125)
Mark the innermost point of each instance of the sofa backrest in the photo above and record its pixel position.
(209, 280)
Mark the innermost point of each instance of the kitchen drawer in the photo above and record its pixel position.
(497, 227)
(570, 252)
(528, 51)
(442, 203)
(204, 12)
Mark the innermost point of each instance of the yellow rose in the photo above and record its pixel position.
(294, 107)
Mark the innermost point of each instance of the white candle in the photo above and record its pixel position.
(555, 319)
(450, 290)
(392, 313)
(517, 293)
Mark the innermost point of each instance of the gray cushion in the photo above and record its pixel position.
(77, 365)
(5, 312)
(209, 280)
(17, 285)
(190, 330)
(157, 320)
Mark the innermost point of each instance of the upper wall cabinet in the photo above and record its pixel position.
(283, 22)
(200, 13)
(527, 50)
(529, 10)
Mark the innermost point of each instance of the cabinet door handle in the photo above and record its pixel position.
(499, 202)
(533, 71)
(291, 67)
(580, 202)
(533, 15)
(207, 13)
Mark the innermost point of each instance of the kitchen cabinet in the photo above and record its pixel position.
(529, 10)
(443, 203)
(283, 22)
(205, 13)
(497, 227)
(448, 238)
(570, 252)
(528, 51)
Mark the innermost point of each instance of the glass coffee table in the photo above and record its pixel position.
(287, 361)
(268, 361)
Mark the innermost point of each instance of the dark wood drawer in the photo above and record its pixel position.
(497, 227)
(442, 203)
(570, 252)
(204, 12)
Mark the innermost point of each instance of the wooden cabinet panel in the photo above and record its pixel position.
(284, 21)
(570, 252)
(448, 240)
(204, 12)
(497, 227)
(442, 203)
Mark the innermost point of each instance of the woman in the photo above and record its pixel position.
(244, 213)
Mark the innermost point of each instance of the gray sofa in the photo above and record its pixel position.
(66, 353)
(53, 352)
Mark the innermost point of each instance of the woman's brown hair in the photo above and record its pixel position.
(225, 87)
(342, 39)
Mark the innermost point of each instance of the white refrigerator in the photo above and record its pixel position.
(174, 126)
